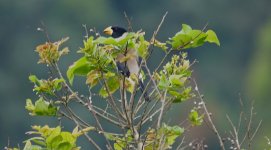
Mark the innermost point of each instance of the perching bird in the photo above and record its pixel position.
(131, 65)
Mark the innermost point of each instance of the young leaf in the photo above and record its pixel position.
(212, 38)
(80, 67)
(33, 79)
(41, 108)
(185, 28)
(163, 83)
(175, 80)
(194, 118)
(29, 146)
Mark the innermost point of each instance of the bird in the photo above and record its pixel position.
(131, 66)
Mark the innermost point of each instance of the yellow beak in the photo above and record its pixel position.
(108, 31)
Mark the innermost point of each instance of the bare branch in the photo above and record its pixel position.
(235, 136)
(209, 117)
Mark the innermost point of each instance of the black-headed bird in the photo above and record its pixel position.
(130, 66)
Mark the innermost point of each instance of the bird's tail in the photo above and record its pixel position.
(142, 88)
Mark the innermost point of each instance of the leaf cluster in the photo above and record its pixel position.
(53, 138)
(170, 84)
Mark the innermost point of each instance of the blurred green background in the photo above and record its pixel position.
(242, 64)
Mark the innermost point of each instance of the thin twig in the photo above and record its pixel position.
(85, 134)
(236, 137)
(209, 117)
(86, 30)
(130, 27)
(256, 130)
(152, 41)
(100, 126)
(111, 99)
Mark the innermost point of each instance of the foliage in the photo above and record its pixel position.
(50, 53)
(166, 135)
(170, 85)
(53, 138)
(189, 38)
(41, 108)
(175, 77)
(195, 118)
(46, 86)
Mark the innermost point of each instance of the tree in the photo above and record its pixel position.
(139, 124)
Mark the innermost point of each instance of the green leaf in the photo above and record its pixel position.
(57, 83)
(185, 28)
(212, 38)
(110, 136)
(118, 146)
(64, 146)
(175, 80)
(29, 105)
(33, 79)
(29, 146)
(44, 108)
(103, 92)
(54, 137)
(184, 95)
(105, 40)
(189, 38)
(123, 42)
(113, 85)
(142, 47)
(197, 38)
(180, 41)
(38, 140)
(170, 133)
(41, 108)
(194, 118)
(55, 141)
(67, 136)
(163, 83)
(80, 67)
(93, 78)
